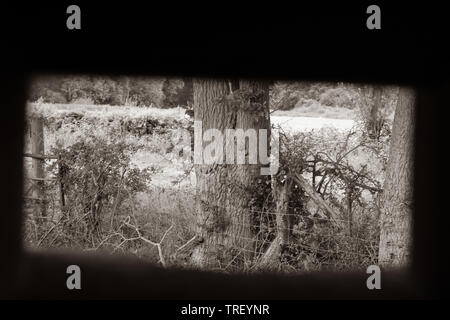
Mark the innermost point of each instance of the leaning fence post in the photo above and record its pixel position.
(37, 148)
(281, 193)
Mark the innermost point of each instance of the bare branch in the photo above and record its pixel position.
(156, 244)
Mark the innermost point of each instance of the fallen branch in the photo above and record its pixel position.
(270, 255)
(49, 231)
(156, 244)
(329, 212)
(187, 243)
(39, 156)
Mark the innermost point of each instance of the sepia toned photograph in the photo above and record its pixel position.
(223, 161)
(223, 175)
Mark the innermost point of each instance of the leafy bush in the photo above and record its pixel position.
(97, 180)
(287, 95)
(83, 101)
(339, 97)
(177, 92)
(54, 96)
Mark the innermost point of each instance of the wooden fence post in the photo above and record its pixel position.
(38, 169)
(61, 171)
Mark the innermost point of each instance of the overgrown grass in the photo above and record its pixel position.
(48, 110)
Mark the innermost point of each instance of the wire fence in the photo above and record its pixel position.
(331, 242)
(43, 192)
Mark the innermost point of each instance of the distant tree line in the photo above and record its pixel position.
(112, 90)
(287, 95)
(165, 92)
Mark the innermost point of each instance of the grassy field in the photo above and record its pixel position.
(319, 111)
(104, 111)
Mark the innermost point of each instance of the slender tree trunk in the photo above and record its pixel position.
(397, 199)
(349, 210)
(374, 122)
(38, 170)
(224, 190)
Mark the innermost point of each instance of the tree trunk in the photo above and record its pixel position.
(397, 199)
(374, 123)
(224, 189)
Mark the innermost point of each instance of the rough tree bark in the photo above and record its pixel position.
(225, 190)
(397, 199)
(375, 123)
